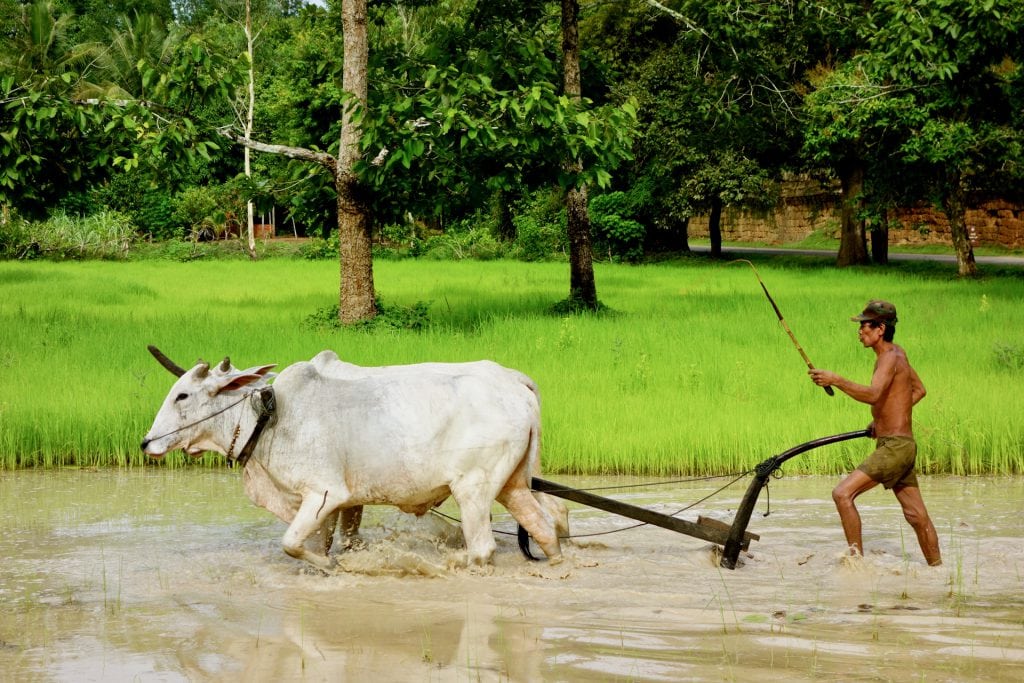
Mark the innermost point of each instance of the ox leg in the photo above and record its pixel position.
(313, 514)
(475, 509)
(534, 518)
(324, 536)
(351, 518)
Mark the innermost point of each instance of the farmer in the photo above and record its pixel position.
(895, 388)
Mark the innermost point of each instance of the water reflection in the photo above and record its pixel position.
(173, 575)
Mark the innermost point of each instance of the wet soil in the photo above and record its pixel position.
(162, 575)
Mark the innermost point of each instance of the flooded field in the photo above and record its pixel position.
(163, 575)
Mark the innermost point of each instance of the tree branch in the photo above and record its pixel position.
(301, 153)
(677, 16)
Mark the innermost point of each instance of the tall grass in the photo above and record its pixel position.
(690, 372)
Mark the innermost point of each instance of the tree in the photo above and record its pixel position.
(357, 297)
(718, 89)
(959, 61)
(582, 287)
(851, 127)
(52, 137)
(357, 301)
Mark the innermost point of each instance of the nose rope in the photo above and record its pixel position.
(208, 417)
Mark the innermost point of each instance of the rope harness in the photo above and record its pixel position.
(264, 403)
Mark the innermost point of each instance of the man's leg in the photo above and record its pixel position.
(917, 515)
(852, 485)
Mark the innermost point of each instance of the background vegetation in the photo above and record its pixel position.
(687, 373)
(689, 106)
(112, 147)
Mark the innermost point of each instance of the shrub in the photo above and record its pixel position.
(415, 317)
(474, 243)
(538, 241)
(318, 248)
(614, 231)
(540, 224)
(16, 240)
(107, 234)
(209, 211)
(152, 209)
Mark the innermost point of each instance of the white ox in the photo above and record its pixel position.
(346, 436)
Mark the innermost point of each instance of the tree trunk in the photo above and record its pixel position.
(582, 287)
(249, 114)
(356, 301)
(880, 240)
(853, 248)
(954, 205)
(715, 227)
(506, 227)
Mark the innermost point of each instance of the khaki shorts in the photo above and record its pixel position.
(892, 463)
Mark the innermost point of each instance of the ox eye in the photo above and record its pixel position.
(180, 397)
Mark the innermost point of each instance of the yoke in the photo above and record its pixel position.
(732, 537)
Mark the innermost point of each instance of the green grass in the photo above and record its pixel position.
(689, 373)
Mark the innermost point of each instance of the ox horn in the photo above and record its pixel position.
(225, 364)
(170, 365)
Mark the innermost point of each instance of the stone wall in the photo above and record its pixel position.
(804, 208)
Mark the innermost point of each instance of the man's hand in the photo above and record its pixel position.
(823, 378)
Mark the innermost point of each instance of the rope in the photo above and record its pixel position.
(200, 421)
(677, 512)
(654, 483)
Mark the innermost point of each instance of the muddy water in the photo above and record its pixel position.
(174, 576)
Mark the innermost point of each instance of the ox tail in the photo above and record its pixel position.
(532, 469)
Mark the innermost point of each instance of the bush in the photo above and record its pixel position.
(318, 248)
(614, 231)
(150, 208)
(16, 240)
(107, 234)
(394, 318)
(540, 224)
(209, 211)
(475, 244)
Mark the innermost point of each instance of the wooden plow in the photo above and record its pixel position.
(732, 537)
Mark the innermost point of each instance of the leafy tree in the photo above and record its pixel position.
(717, 86)
(961, 60)
(851, 126)
(441, 126)
(50, 139)
(930, 108)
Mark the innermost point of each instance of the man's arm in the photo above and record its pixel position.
(917, 390)
(882, 377)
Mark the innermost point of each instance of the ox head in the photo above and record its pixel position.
(188, 417)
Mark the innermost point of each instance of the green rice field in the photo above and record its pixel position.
(688, 373)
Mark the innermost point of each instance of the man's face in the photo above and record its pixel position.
(869, 336)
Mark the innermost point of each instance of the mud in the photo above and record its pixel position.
(163, 575)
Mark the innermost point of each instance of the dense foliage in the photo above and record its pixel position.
(689, 106)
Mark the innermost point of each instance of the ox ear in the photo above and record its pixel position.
(244, 378)
(262, 370)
